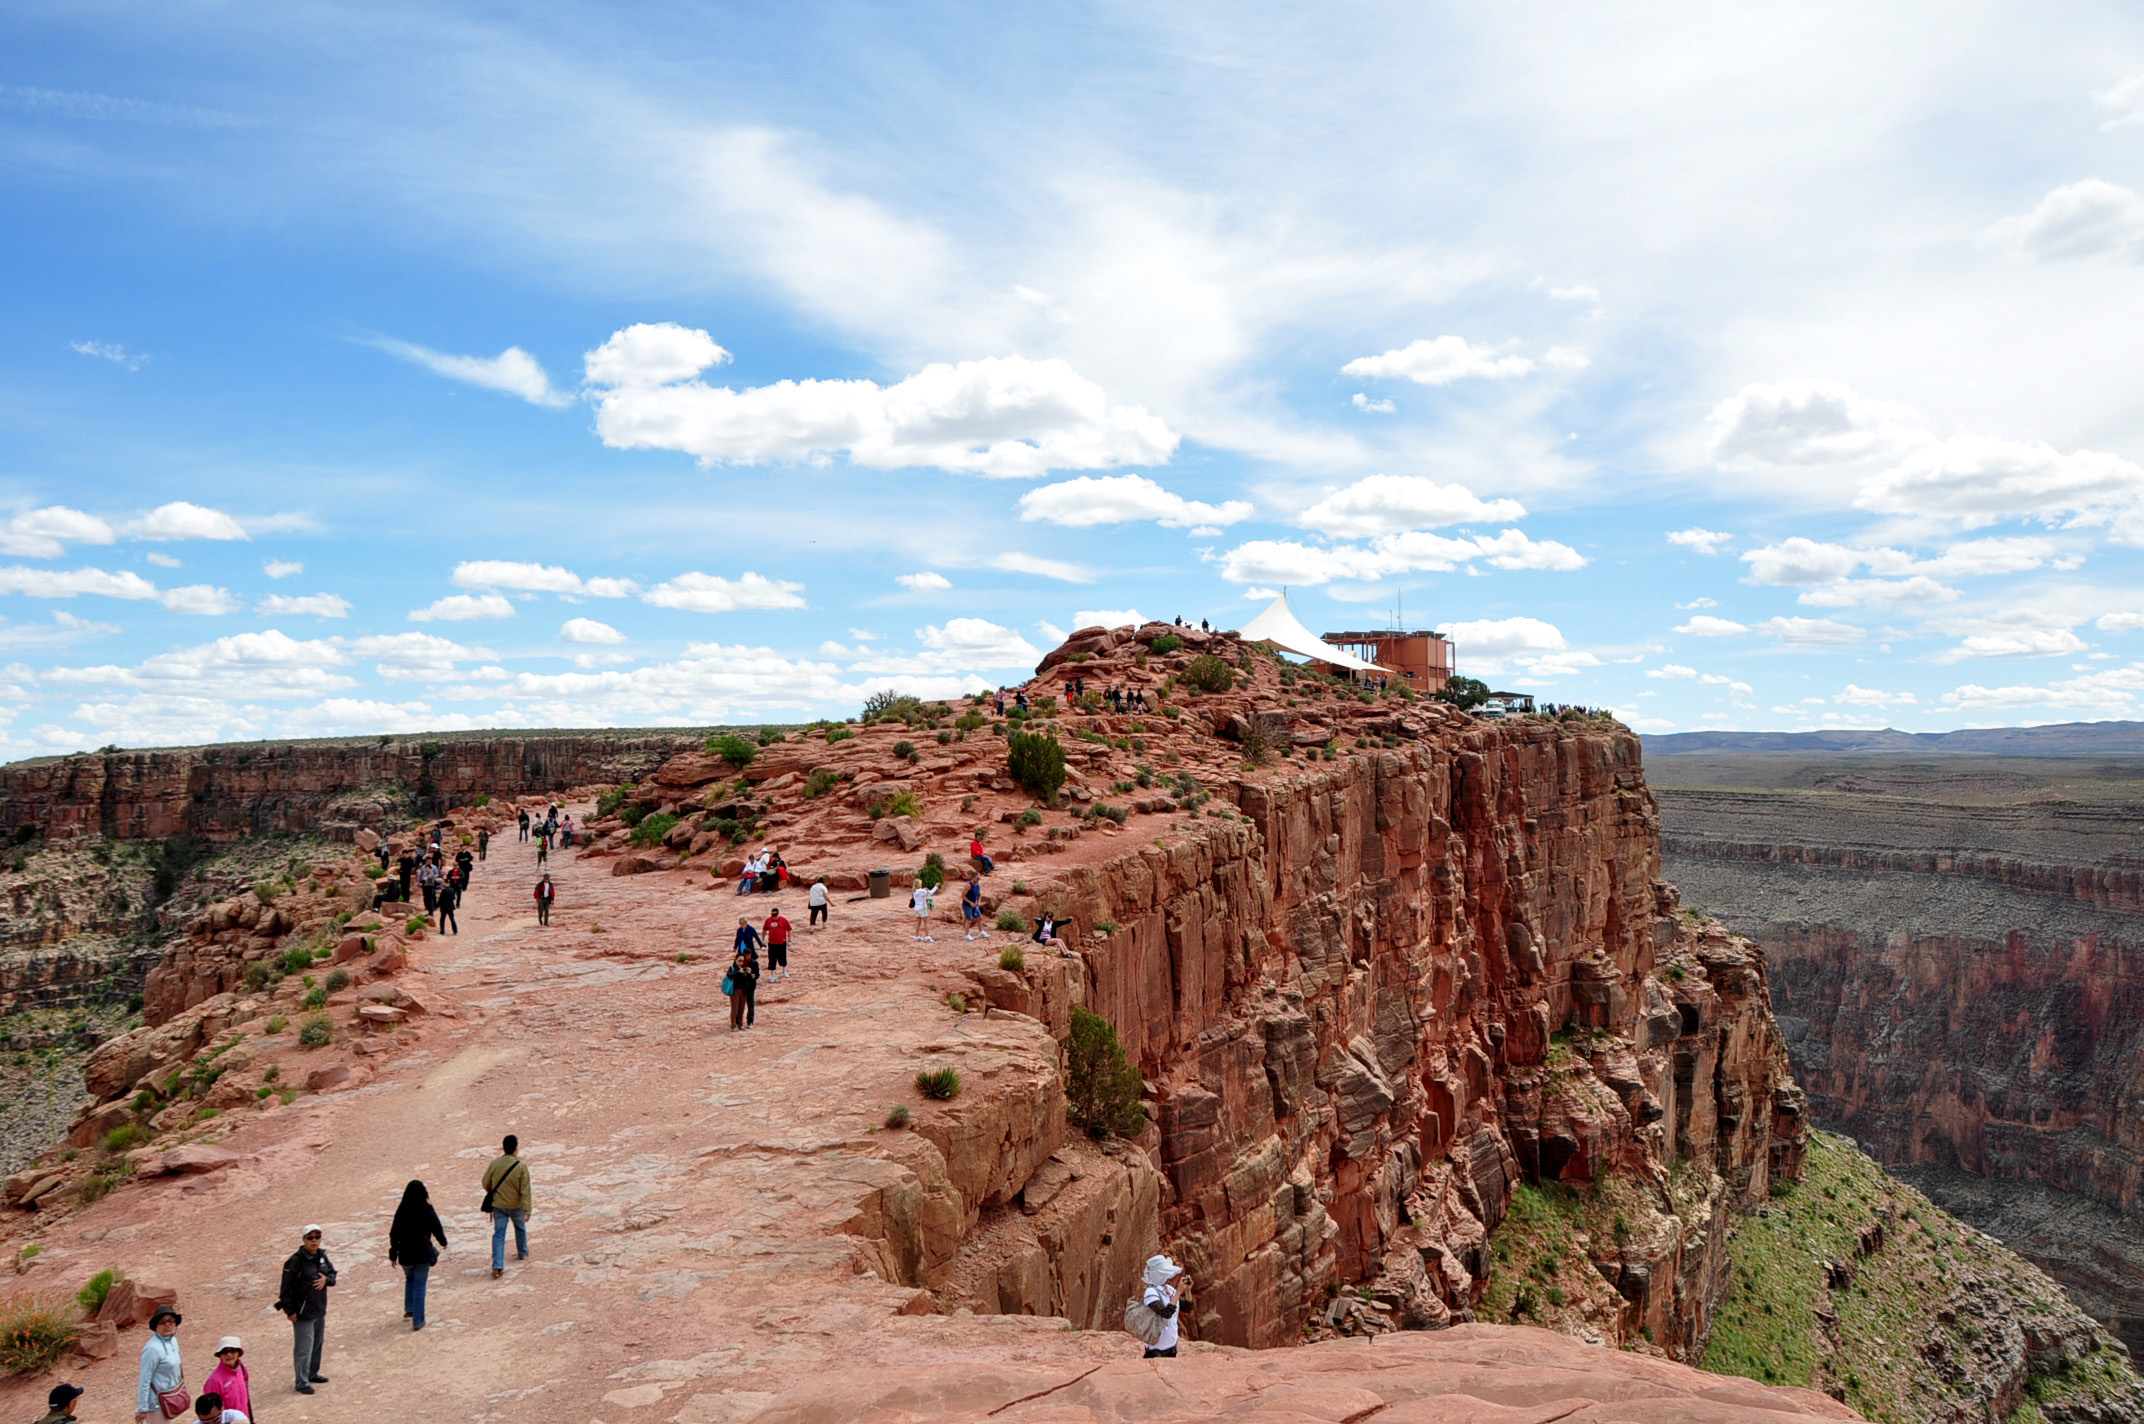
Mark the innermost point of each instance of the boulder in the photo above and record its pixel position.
(98, 1340)
(194, 1157)
(689, 769)
(898, 831)
(328, 1076)
(89, 1129)
(131, 1303)
(25, 1187)
(387, 959)
(368, 841)
(379, 1015)
(350, 947)
(632, 865)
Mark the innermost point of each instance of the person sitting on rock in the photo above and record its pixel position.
(1046, 932)
(977, 856)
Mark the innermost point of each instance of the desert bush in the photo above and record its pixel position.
(1037, 764)
(1164, 645)
(297, 958)
(258, 973)
(316, 1032)
(634, 814)
(1101, 1088)
(608, 803)
(1029, 817)
(932, 873)
(942, 1084)
(733, 749)
(820, 782)
(1257, 742)
(1012, 957)
(1012, 921)
(1208, 673)
(35, 1331)
(904, 803)
(316, 999)
(338, 980)
(838, 734)
(904, 749)
(958, 1003)
(265, 892)
(278, 1023)
(652, 829)
(969, 721)
(414, 924)
(127, 1134)
(945, 739)
(899, 1116)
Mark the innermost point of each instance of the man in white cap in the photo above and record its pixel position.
(1165, 1282)
(304, 1300)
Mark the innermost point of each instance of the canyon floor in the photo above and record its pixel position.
(688, 1257)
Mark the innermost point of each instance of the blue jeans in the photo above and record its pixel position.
(413, 1281)
(520, 1219)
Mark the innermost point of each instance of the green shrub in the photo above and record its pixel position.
(735, 750)
(278, 1024)
(35, 1332)
(258, 973)
(1164, 645)
(821, 781)
(942, 1084)
(1037, 764)
(413, 924)
(653, 828)
(1208, 673)
(1012, 957)
(316, 999)
(930, 876)
(904, 803)
(838, 734)
(632, 814)
(1101, 1086)
(969, 721)
(1029, 817)
(316, 1032)
(898, 1117)
(265, 892)
(297, 959)
(958, 1003)
(93, 1292)
(945, 739)
(338, 980)
(273, 1073)
(608, 803)
(1012, 921)
(904, 749)
(127, 1134)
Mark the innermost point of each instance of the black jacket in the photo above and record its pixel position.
(409, 1240)
(299, 1296)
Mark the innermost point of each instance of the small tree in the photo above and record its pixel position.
(1465, 693)
(1037, 763)
(737, 751)
(1208, 673)
(1101, 1086)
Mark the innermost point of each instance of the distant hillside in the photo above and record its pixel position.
(2065, 739)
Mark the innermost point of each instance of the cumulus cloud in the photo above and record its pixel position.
(538, 578)
(275, 568)
(977, 642)
(1121, 499)
(2007, 641)
(1979, 481)
(1497, 645)
(652, 354)
(1059, 569)
(1050, 630)
(1805, 421)
(1004, 416)
(2092, 218)
(181, 520)
(1672, 671)
(42, 533)
(2114, 692)
(1373, 407)
(513, 371)
(464, 607)
(414, 656)
(2125, 622)
(1853, 696)
(162, 560)
(1704, 541)
(1825, 570)
(1287, 561)
(1811, 632)
(1440, 362)
(68, 583)
(1388, 504)
(923, 582)
(1704, 625)
(2122, 102)
(1108, 618)
(317, 605)
(588, 630)
(244, 665)
(710, 593)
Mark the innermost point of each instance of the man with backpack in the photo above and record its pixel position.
(509, 1197)
(303, 1300)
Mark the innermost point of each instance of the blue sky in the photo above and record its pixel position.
(375, 368)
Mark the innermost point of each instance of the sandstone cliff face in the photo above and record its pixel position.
(323, 788)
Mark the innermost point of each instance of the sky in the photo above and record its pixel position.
(379, 368)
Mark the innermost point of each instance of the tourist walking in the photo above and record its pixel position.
(741, 983)
(920, 902)
(428, 882)
(545, 894)
(776, 929)
(409, 1245)
(524, 823)
(971, 909)
(450, 898)
(543, 847)
(1165, 1282)
(463, 863)
(59, 1404)
(483, 844)
(816, 899)
(304, 1302)
(162, 1376)
(509, 1197)
(230, 1379)
(404, 869)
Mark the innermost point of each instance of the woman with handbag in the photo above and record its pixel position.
(162, 1390)
(409, 1245)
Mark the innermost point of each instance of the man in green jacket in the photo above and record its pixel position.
(507, 1190)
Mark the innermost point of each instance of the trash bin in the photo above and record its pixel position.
(881, 884)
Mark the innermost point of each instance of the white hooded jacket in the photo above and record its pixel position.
(1160, 1277)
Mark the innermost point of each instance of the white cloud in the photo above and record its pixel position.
(1119, 499)
(1698, 603)
(1492, 645)
(1979, 481)
(1363, 403)
(1388, 504)
(1575, 293)
(1704, 625)
(2114, 691)
(67, 583)
(710, 593)
(652, 354)
(976, 642)
(41, 533)
(2007, 641)
(588, 630)
(1256, 594)
(276, 568)
(414, 656)
(1671, 671)
(1051, 631)
(609, 588)
(180, 520)
(110, 351)
(162, 560)
(1805, 421)
(342, 716)
(463, 607)
(1439, 362)
(2122, 102)
(1565, 358)
(1705, 541)
(1108, 618)
(1854, 696)
(503, 573)
(1287, 561)
(2120, 622)
(244, 665)
(318, 605)
(923, 582)
(513, 371)
(1854, 593)
(1004, 416)
(1801, 561)
(2092, 218)
(1034, 564)
(1811, 632)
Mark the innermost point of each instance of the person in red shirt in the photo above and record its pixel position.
(776, 933)
(544, 896)
(978, 856)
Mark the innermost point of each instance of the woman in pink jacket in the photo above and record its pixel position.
(230, 1378)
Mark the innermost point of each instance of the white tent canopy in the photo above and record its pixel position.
(1279, 626)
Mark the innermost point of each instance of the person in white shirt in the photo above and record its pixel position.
(921, 902)
(1165, 1283)
(817, 900)
(208, 1409)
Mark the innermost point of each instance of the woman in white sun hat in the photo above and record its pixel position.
(230, 1377)
(1165, 1283)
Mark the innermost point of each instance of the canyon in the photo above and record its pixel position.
(1955, 943)
(1430, 1055)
